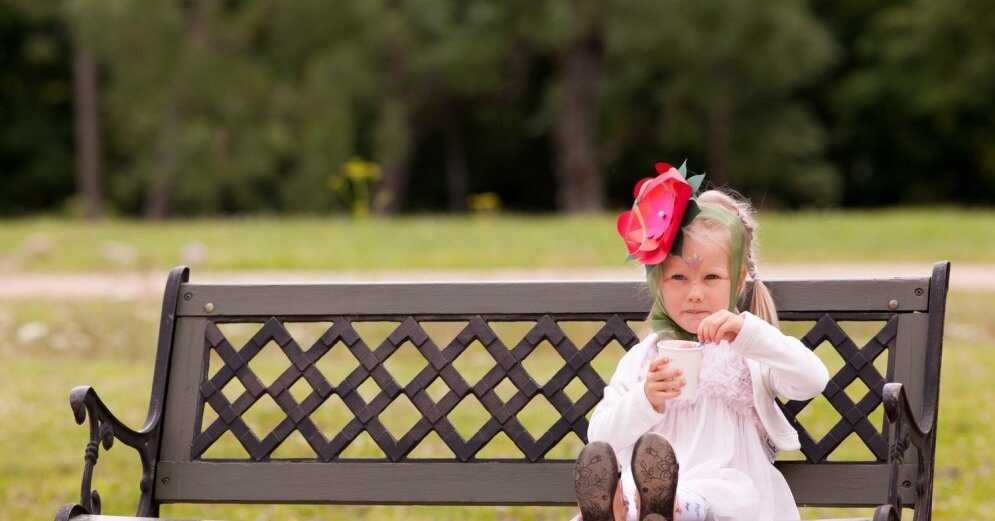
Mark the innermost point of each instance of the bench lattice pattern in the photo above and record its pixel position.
(434, 413)
(858, 363)
(503, 413)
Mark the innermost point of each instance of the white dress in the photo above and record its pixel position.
(722, 439)
(722, 448)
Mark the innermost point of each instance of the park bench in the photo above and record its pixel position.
(193, 407)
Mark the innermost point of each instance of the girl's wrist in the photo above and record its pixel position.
(649, 408)
(660, 407)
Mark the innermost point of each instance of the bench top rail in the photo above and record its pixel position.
(524, 298)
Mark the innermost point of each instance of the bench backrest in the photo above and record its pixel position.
(378, 406)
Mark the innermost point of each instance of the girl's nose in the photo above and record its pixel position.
(695, 295)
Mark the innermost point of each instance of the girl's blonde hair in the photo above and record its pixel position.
(761, 303)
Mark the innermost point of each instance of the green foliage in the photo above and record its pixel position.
(719, 80)
(35, 108)
(913, 113)
(233, 107)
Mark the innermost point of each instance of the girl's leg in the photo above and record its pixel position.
(596, 482)
(691, 506)
(654, 469)
(620, 507)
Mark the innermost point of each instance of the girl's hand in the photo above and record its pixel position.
(662, 383)
(719, 326)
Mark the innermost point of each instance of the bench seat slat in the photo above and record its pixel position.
(491, 483)
(131, 518)
(348, 482)
(843, 484)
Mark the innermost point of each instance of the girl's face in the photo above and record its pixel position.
(696, 284)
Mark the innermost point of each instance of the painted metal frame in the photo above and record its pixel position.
(105, 427)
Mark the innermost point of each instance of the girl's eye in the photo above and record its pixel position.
(711, 276)
(678, 276)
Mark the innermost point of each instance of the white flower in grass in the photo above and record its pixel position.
(193, 253)
(38, 244)
(119, 253)
(33, 331)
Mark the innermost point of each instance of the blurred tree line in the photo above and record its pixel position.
(188, 107)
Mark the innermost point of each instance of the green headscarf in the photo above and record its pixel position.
(660, 320)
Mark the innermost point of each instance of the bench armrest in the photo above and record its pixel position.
(908, 429)
(104, 428)
(886, 513)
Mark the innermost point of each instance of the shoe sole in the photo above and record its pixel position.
(654, 469)
(595, 479)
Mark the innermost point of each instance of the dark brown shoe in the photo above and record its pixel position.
(595, 478)
(654, 469)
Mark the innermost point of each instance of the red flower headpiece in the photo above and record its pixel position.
(663, 206)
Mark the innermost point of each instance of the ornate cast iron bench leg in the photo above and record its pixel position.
(908, 430)
(104, 428)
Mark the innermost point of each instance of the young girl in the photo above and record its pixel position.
(710, 458)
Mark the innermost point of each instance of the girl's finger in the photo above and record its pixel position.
(659, 362)
(670, 395)
(713, 329)
(660, 377)
(654, 376)
(707, 326)
(727, 331)
(731, 327)
(656, 386)
(658, 373)
(721, 319)
(701, 329)
(667, 386)
(670, 374)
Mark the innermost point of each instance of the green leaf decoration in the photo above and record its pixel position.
(695, 182)
(684, 169)
(678, 245)
(648, 268)
(629, 257)
(690, 213)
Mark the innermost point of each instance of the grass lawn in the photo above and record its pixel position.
(482, 242)
(48, 347)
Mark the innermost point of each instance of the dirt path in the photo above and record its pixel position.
(128, 285)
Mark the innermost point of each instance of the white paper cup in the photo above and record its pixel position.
(686, 356)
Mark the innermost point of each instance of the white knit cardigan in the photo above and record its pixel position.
(780, 365)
